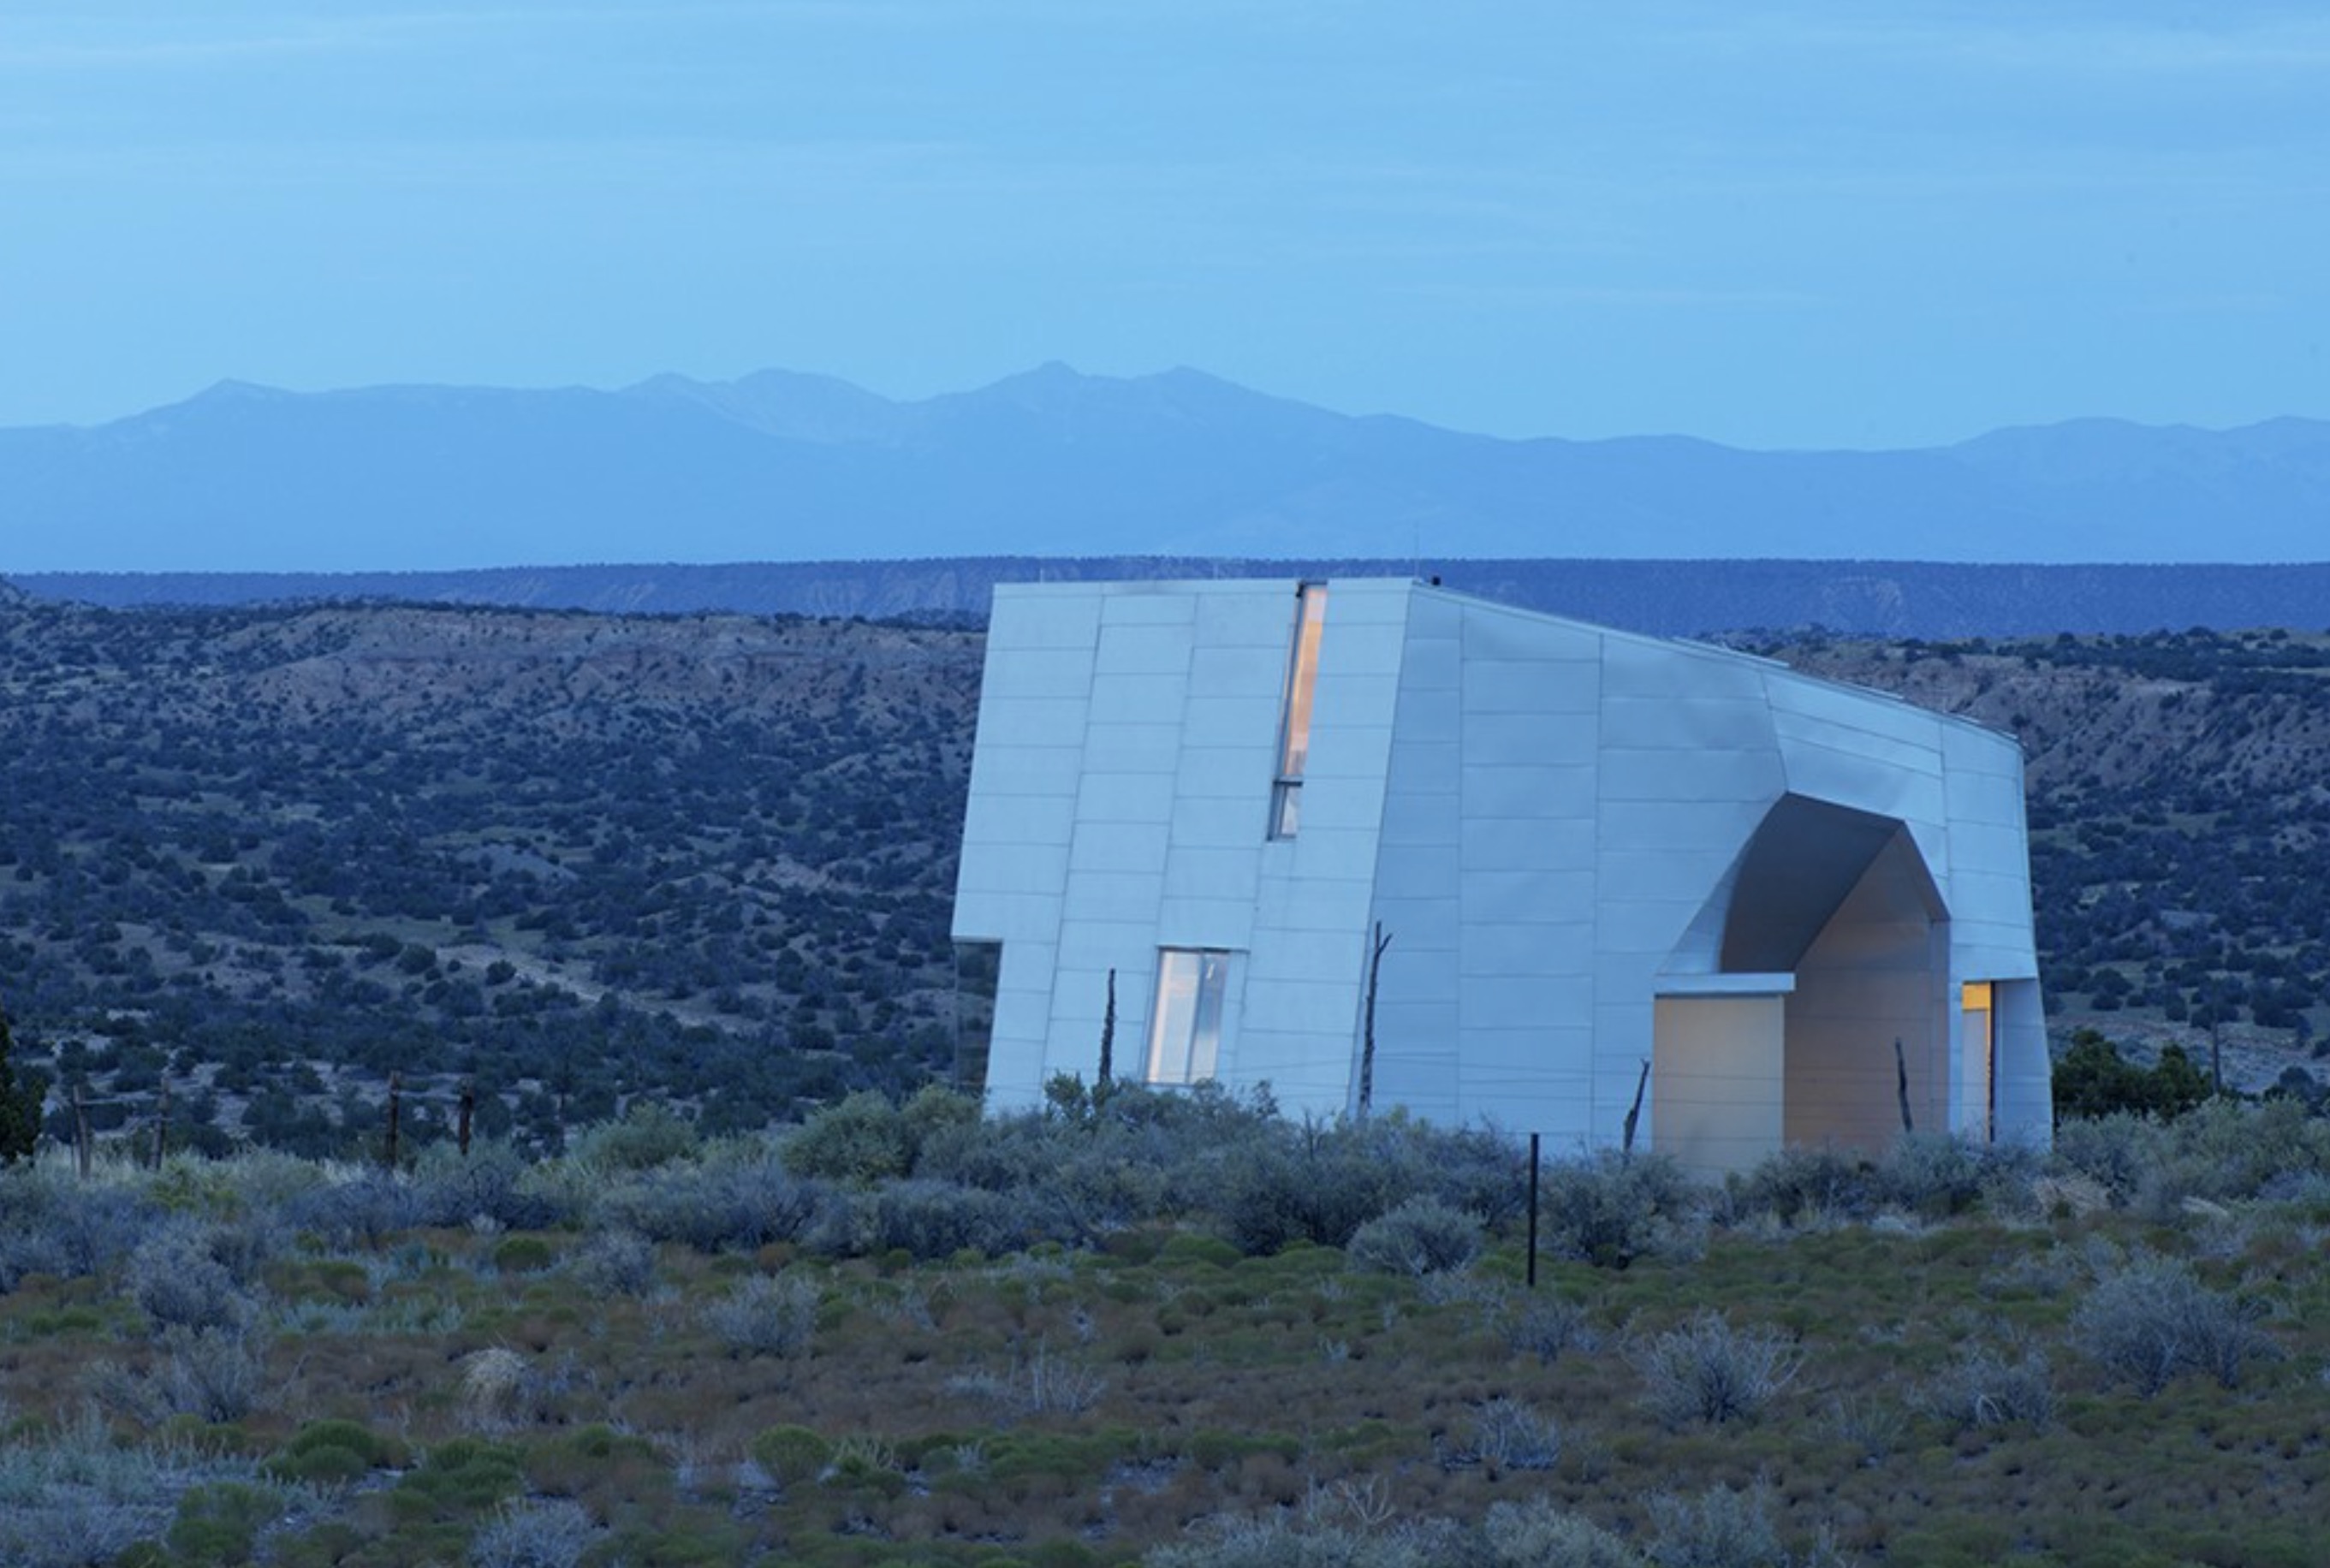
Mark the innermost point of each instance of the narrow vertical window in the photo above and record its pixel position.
(1185, 1026)
(1980, 1042)
(1302, 680)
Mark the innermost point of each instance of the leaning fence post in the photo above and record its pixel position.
(395, 1083)
(469, 1104)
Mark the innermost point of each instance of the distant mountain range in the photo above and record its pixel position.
(784, 466)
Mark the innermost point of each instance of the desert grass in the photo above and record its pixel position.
(1784, 1368)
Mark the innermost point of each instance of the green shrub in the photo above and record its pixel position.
(648, 1134)
(524, 1255)
(336, 1450)
(458, 1481)
(862, 1139)
(217, 1526)
(791, 1454)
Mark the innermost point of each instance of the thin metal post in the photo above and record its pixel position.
(1532, 1206)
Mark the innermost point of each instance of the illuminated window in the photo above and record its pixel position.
(1981, 1046)
(1185, 1026)
(1302, 680)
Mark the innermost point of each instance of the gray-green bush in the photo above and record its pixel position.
(1609, 1209)
(1421, 1236)
(2152, 1320)
(1708, 1371)
(766, 1315)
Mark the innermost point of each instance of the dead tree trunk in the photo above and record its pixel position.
(1367, 1026)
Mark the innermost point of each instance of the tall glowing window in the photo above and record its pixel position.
(1302, 681)
(1980, 1041)
(1185, 1026)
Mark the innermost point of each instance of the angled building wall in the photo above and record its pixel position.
(1593, 852)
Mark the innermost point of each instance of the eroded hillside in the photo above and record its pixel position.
(576, 856)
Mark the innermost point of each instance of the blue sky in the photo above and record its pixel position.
(1820, 225)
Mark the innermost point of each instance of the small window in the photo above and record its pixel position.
(1302, 681)
(1184, 1027)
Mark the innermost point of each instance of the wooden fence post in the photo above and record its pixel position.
(395, 1087)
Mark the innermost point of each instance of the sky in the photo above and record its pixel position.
(1830, 225)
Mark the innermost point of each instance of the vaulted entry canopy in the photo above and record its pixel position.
(1830, 943)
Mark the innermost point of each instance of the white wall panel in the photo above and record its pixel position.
(1115, 897)
(1133, 846)
(1005, 768)
(1142, 651)
(1665, 722)
(1494, 632)
(1528, 1001)
(1138, 699)
(1719, 826)
(1247, 722)
(1501, 897)
(1132, 748)
(1033, 868)
(1124, 797)
(1650, 926)
(1531, 685)
(1026, 617)
(1205, 923)
(1492, 740)
(1221, 822)
(1051, 672)
(1512, 790)
(1421, 925)
(1147, 604)
(1431, 663)
(1413, 820)
(1668, 775)
(993, 821)
(1637, 666)
(1519, 949)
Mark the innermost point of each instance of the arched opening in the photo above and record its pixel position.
(1830, 944)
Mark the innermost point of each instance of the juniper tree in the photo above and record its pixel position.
(20, 1104)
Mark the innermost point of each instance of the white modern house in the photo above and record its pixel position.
(1805, 908)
